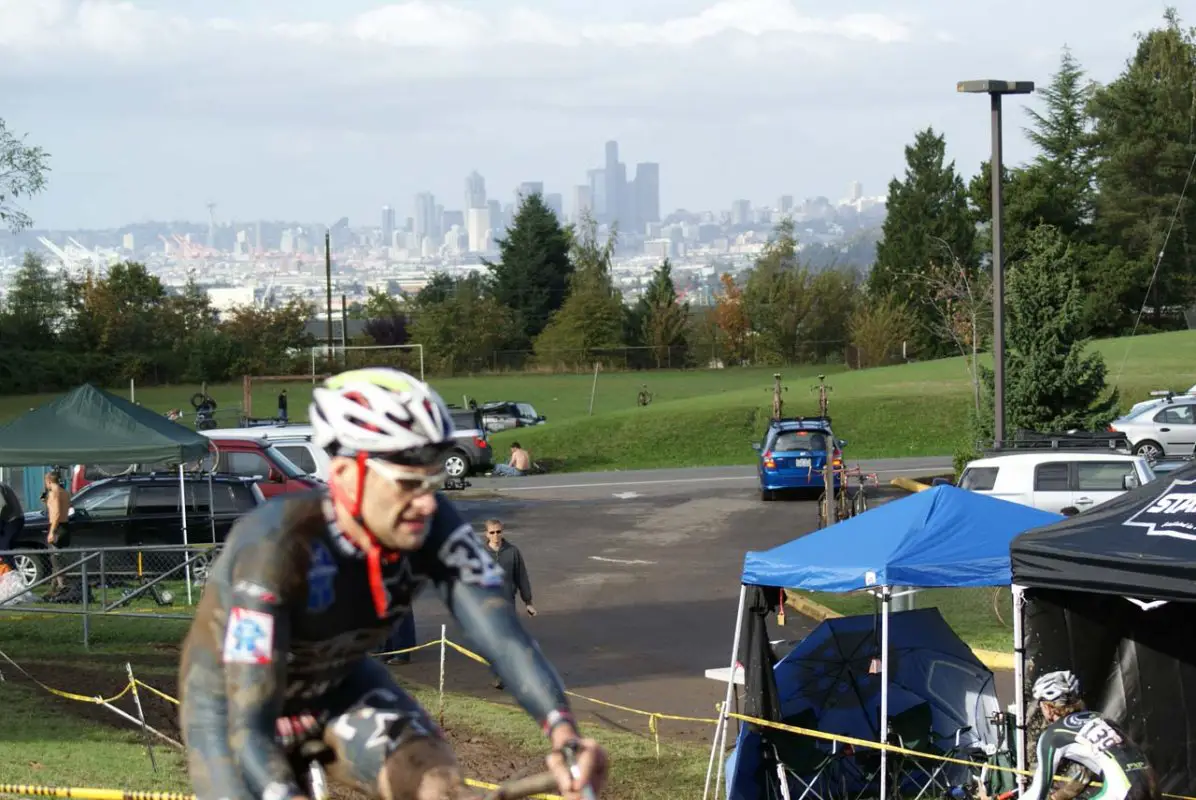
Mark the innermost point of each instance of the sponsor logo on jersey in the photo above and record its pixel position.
(1172, 513)
(1078, 719)
(467, 556)
(249, 637)
(256, 591)
(321, 578)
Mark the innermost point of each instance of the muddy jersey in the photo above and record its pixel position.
(1100, 747)
(289, 611)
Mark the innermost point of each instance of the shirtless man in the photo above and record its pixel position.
(519, 464)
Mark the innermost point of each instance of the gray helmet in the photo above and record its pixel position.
(1059, 686)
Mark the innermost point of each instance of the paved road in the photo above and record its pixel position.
(636, 577)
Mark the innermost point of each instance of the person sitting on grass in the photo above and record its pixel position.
(519, 463)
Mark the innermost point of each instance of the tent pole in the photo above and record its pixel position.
(721, 727)
(1019, 682)
(186, 543)
(886, 600)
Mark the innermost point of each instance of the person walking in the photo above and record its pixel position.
(58, 505)
(12, 521)
(515, 579)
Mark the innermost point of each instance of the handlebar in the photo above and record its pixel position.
(540, 783)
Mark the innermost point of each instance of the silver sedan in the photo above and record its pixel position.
(1167, 429)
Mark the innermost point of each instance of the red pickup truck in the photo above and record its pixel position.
(246, 458)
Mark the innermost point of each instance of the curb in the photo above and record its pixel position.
(992, 659)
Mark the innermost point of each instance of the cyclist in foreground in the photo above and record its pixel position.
(1098, 746)
(309, 585)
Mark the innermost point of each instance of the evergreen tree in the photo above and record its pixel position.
(777, 297)
(927, 224)
(35, 306)
(532, 274)
(1145, 149)
(1052, 384)
(592, 318)
(662, 321)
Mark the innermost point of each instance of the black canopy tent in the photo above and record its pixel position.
(1111, 595)
(90, 425)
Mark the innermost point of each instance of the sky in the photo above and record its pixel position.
(310, 111)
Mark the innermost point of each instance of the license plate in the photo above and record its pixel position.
(801, 462)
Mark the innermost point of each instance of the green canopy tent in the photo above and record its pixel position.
(89, 426)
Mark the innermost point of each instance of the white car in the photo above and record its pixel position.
(1056, 479)
(1166, 428)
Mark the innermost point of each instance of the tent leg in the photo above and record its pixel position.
(1019, 678)
(720, 729)
(186, 543)
(886, 600)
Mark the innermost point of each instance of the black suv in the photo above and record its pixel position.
(502, 416)
(131, 510)
(472, 453)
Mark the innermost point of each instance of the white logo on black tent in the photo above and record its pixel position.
(1173, 513)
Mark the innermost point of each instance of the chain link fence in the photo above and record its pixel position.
(150, 582)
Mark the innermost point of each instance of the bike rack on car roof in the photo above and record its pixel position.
(819, 419)
(1027, 440)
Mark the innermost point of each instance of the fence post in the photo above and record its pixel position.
(440, 705)
(86, 610)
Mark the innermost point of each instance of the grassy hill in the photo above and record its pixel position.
(710, 417)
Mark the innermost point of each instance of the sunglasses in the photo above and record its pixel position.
(418, 483)
(494, 532)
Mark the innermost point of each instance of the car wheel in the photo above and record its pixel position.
(32, 568)
(1148, 449)
(767, 494)
(457, 464)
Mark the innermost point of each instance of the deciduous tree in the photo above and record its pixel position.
(732, 319)
(23, 171)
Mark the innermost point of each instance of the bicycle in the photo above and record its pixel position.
(644, 397)
(824, 404)
(316, 754)
(859, 501)
(777, 401)
(843, 505)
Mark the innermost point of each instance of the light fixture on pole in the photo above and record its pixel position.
(995, 90)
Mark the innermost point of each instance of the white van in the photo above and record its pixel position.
(294, 441)
(1052, 480)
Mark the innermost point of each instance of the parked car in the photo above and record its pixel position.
(1052, 480)
(503, 416)
(293, 441)
(132, 510)
(1164, 429)
(472, 453)
(794, 453)
(241, 457)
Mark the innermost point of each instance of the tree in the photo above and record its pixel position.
(1145, 149)
(732, 319)
(386, 320)
(532, 274)
(1052, 384)
(592, 316)
(35, 307)
(663, 321)
(876, 329)
(927, 208)
(962, 303)
(777, 298)
(834, 295)
(22, 174)
(461, 326)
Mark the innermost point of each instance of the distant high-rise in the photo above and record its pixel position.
(785, 203)
(475, 190)
(450, 218)
(556, 204)
(855, 191)
(477, 226)
(427, 220)
(741, 212)
(388, 225)
(647, 193)
(598, 202)
(614, 178)
(527, 189)
(583, 201)
(498, 220)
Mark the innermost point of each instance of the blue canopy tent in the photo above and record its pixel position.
(943, 537)
(829, 679)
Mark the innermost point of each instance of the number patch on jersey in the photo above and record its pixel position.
(249, 637)
(1099, 734)
(463, 553)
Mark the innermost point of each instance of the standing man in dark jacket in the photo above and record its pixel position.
(514, 572)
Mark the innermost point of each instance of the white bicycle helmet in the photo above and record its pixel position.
(383, 412)
(1056, 686)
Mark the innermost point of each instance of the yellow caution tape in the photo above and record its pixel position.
(97, 699)
(89, 794)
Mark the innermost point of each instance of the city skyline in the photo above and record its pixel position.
(317, 111)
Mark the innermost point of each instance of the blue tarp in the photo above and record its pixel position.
(941, 537)
(829, 674)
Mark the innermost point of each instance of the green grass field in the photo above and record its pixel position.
(710, 417)
(45, 743)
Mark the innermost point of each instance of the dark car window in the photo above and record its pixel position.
(105, 502)
(979, 479)
(300, 456)
(247, 465)
(285, 465)
(788, 441)
(1052, 477)
(1176, 415)
(1103, 476)
(156, 500)
(226, 498)
(526, 411)
(466, 420)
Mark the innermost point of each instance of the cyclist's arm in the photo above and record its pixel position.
(470, 582)
(254, 661)
(1081, 777)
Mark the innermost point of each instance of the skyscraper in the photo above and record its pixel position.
(475, 190)
(388, 226)
(598, 202)
(477, 226)
(427, 221)
(647, 193)
(556, 204)
(582, 202)
(614, 178)
(527, 189)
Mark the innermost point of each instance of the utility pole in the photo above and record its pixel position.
(328, 289)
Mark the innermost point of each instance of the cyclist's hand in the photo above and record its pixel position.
(591, 770)
(531, 610)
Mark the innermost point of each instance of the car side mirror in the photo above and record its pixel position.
(841, 443)
(756, 446)
(1130, 482)
(277, 477)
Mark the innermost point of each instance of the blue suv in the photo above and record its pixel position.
(794, 453)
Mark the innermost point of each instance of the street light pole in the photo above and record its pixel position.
(995, 90)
